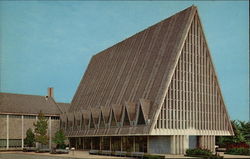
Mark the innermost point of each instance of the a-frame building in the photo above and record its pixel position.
(155, 92)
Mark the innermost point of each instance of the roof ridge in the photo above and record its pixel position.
(27, 104)
(22, 94)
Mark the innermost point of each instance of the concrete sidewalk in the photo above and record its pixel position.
(232, 156)
(83, 155)
(33, 155)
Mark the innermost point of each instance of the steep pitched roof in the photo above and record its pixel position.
(95, 114)
(145, 106)
(27, 104)
(131, 109)
(86, 116)
(139, 67)
(105, 112)
(134, 68)
(64, 106)
(117, 109)
(78, 115)
(71, 116)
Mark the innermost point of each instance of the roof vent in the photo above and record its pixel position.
(46, 97)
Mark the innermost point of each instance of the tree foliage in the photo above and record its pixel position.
(30, 138)
(41, 126)
(241, 134)
(59, 139)
(244, 128)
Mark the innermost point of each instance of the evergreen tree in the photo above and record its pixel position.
(59, 139)
(41, 127)
(30, 138)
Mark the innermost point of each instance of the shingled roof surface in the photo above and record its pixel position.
(64, 106)
(27, 104)
(139, 67)
(134, 68)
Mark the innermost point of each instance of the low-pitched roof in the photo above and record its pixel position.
(27, 104)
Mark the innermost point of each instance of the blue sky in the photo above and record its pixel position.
(49, 43)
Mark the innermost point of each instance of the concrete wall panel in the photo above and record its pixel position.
(15, 127)
(3, 127)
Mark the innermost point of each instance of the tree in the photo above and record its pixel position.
(59, 139)
(241, 134)
(238, 135)
(244, 127)
(41, 127)
(30, 138)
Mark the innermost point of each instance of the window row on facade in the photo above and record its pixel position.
(111, 143)
(27, 116)
(13, 143)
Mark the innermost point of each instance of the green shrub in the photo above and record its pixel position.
(238, 151)
(204, 153)
(198, 152)
(59, 139)
(30, 138)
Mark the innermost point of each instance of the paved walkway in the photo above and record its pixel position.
(82, 155)
(232, 156)
(71, 155)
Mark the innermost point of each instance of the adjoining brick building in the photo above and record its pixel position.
(154, 92)
(18, 112)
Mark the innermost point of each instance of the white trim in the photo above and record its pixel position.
(50, 136)
(168, 81)
(189, 132)
(22, 133)
(7, 132)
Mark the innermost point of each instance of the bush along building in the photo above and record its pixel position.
(18, 112)
(155, 92)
